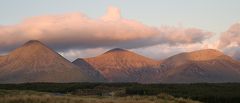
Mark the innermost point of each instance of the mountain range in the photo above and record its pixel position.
(35, 62)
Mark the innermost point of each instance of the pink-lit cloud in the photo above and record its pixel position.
(179, 35)
(231, 37)
(77, 31)
(230, 41)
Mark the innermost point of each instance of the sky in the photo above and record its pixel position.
(154, 28)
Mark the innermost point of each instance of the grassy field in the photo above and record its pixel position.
(16, 96)
(181, 93)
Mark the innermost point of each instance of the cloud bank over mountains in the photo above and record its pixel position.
(73, 32)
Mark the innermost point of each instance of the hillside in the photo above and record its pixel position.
(119, 65)
(201, 66)
(35, 62)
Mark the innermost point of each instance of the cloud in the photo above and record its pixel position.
(163, 51)
(233, 52)
(86, 53)
(113, 14)
(157, 52)
(77, 31)
(179, 35)
(230, 41)
(231, 37)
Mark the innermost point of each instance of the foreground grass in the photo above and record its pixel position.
(204, 92)
(40, 97)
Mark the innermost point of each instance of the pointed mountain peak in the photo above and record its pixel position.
(36, 62)
(33, 42)
(116, 50)
(33, 46)
(32, 49)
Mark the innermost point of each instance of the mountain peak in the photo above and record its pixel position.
(211, 51)
(205, 54)
(36, 62)
(199, 55)
(32, 50)
(207, 65)
(117, 50)
(119, 65)
(33, 46)
(33, 42)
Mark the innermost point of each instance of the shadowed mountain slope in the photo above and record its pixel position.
(89, 69)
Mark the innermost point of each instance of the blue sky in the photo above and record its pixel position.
(212, 15)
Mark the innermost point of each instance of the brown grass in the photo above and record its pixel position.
(37, 97)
